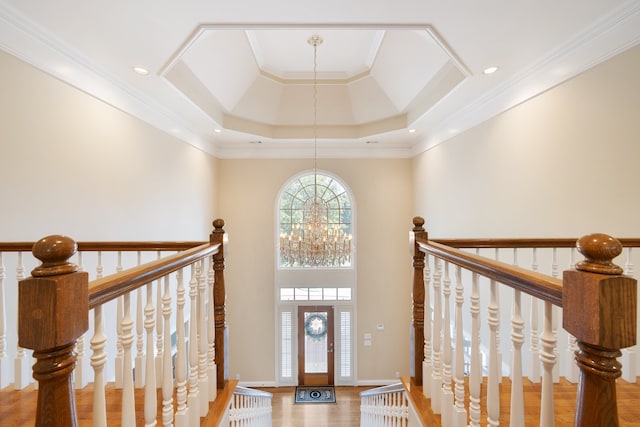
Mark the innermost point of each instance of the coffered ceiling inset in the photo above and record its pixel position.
(260, 80)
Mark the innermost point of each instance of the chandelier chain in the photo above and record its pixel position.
(317, 240)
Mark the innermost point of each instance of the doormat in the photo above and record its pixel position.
(315, 394)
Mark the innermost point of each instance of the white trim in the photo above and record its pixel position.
(376, 383)
(258, 384)
(587, 49)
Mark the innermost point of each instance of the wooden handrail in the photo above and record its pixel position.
(54, 304)
(523, 243)
(115, 285)
(109, 246)
(599, 305)
(539, 285)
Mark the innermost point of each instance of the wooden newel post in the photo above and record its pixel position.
(219, 296)
(599, 309)
(53, 312)
(418, 302)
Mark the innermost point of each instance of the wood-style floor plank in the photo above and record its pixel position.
(17, 407)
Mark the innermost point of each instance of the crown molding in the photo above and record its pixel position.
(24, 39)
(580, 53)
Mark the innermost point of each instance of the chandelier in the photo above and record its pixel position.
(316, 241)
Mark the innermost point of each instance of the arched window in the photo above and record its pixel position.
(315, 223)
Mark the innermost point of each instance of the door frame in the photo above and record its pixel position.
(327, 378)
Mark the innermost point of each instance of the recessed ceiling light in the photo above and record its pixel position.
(371, 142)
(255, 142)
(490, 70)
(140, 70)
(217, 130)
(412, 130)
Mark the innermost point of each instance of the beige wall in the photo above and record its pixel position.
(566, 163)
(382, 192)
(71, 164)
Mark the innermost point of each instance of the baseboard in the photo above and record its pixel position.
(257, 384)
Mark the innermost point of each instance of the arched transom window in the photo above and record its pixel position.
(315, 223)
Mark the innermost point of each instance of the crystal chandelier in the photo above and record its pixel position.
(315, 242)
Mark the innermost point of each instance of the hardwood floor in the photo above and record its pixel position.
(344, 413)
(17, 408)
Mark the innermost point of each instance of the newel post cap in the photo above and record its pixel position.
(599, 303)
(53, 304)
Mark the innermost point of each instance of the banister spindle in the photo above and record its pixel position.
(119, 319)
(203, 383)
(159, 330)
(599, 308)
(167, 363)
(211, 335)
(475, 375)
(436, 375)
(182, 411)
(572, 372)
(128, 415)
(493, 382)
(630, 371)
(53, 311)
(20, 368)
(80, 373)
(534, 374)
(460, 412)
(139, 361)
(4, 366)
(517, 339)
(193, 399)
(150, 394)
(418, 302)
(445, 389)
(426, 364)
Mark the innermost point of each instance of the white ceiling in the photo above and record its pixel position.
(224, 76)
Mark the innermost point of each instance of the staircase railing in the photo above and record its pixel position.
(452, 364)
(54, 306)
(250, 408)
(384, 407)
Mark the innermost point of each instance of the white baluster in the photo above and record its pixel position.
(139, 361)
(150, 394)
(211, 357)
(630, 362)
(498, 347)
(460, 413)
(119, 367)
(475, 377)
(182, 410)
(493, 390)
(99, 267)
(194, 392)
(445, 389)
(427, 366)
(128, 398)
(436, 375)
(167, 368)
(159, 331)
(98, 361)
(21, 365)
(572, 368)
(534, 374)
(548, 359)
(517, 339)
(4, 365)
(203, 383)
(556, 316)
(80, 379)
